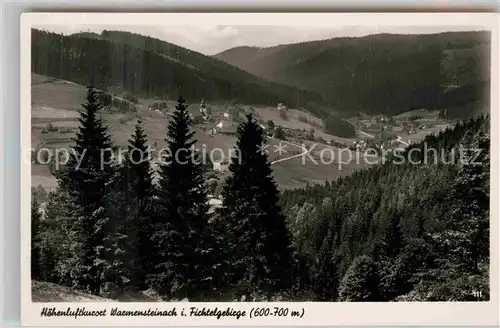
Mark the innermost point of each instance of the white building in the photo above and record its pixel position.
(281, 106)
(360, 144)
(221, 166)
(214, 204)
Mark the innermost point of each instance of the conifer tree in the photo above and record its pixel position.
(258, 241)
(55, 238)
(326, 282)
(394, 236)
(113, 259)
(360, 282)
(468, 202)
(86, 179)
(133, 195)
(472, 186)
(182, 235)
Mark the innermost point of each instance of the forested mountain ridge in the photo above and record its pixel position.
(150, 67)
(383, 73)
(400, 232)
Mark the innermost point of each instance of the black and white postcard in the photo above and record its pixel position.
(259, 169)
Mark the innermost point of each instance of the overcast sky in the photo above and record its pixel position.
(212, 39)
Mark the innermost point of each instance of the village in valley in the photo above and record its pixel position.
(215, 124)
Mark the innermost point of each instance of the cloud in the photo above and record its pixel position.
(228, 32)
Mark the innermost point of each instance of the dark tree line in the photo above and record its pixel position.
(148, 67)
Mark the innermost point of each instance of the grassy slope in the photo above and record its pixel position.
(48, 292)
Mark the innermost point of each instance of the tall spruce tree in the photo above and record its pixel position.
(469, 206)
(86, 179)
(394, 236)
(133, 201)
(326, 282)
(258, 243)
(182, 234)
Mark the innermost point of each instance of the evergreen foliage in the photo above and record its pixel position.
(86, 180)
(360, 283)
(182, 235)
(425, 224)
(134, 193)
(258, 244)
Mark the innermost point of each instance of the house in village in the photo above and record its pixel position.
(383, 119)
(226, 128)
(203, 110)
(360, 144)
(281, 106)
(203, 107)
(214, 204)
(221, 166)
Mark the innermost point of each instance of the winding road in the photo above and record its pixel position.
(304, 151)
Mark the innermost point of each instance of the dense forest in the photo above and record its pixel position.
(381, 74)
(149, 67)
(412, 231)
(398, 231)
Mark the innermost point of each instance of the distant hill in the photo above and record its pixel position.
(384, 73)
(90, 35)
(150, 67)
